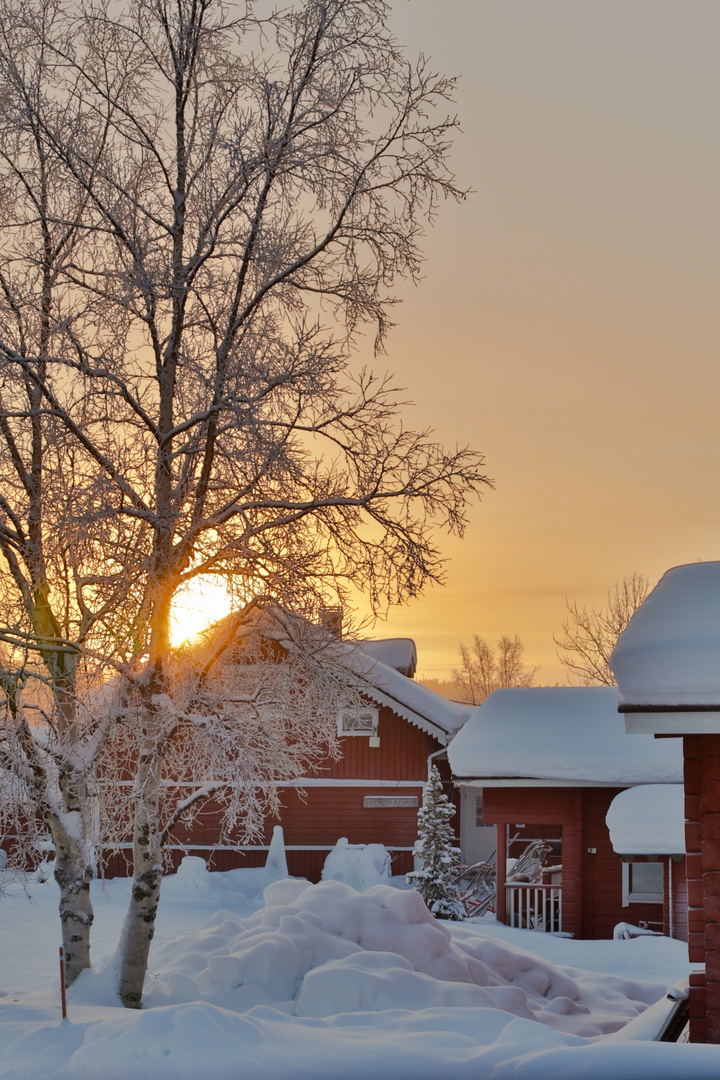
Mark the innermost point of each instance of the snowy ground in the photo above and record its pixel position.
(324, 982)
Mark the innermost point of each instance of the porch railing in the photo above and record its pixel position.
(530, 906)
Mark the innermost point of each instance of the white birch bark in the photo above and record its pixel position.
(139, 925)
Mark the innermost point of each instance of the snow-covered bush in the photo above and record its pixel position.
(359, 865)
(435, 847)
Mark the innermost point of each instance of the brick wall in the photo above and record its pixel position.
(702, 840)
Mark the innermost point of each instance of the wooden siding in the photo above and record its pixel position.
(320, 816)
(402, 754)
(592, 872)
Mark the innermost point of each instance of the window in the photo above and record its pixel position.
(643, 883)
(358, 722)
(479, 811)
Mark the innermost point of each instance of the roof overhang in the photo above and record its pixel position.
(535, 782)
(413, 717)
(658, 719)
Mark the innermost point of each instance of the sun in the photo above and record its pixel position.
(196, 606)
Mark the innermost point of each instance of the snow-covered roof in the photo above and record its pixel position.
(414, 702)
(379, 680)
(567, 734)
(669, 653)
(399, 653)
(648, 820)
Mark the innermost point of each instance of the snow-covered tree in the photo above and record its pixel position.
(247, 191)
(65, 585)
(436, 849)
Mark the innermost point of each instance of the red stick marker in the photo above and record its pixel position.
(62, 983)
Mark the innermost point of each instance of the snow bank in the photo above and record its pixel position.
(311, 953)
(648, 820)
(319, 950)
(669, 653)
(560, 733)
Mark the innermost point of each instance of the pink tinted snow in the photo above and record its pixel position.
(648, 820)
(560, 733)
(319, 950)
(669, 652)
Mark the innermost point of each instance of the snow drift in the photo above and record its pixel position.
(320, 950)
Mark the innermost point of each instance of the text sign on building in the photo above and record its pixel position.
(384, 802)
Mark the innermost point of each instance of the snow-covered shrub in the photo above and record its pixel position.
(359, 865)
(435, 847)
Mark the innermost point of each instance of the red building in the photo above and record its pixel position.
(545, 764)
(370, 795)
(667, 665)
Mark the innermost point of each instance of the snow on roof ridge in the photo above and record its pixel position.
(416, 703)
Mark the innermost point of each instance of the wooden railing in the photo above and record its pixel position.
(530, 906)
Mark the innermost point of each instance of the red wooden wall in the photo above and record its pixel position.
(592, 872)
(319, 817)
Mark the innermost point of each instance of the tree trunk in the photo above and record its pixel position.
(73, 873)
(139, 926)
(72, 835)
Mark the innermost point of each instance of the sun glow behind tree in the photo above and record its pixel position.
(197, 605)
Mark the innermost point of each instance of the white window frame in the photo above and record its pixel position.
(629, 897)
(368, 715)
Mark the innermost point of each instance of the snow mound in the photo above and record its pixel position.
(359, 865)
(327, 949)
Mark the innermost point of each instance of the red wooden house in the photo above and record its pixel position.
(370, 795)
(545, 764)
(667, 665)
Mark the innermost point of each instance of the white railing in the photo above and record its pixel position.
(534, 907)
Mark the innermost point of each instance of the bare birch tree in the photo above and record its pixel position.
(59, 582)
(589, 637)
(484, 669)
(251, 190)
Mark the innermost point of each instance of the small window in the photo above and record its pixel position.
(479, 811)
(643, 883)
(358, 722)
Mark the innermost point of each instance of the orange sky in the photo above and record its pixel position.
(568, 324)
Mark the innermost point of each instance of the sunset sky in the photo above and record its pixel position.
(568, 321)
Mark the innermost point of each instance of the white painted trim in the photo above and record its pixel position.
(536, 782)
(672, 723)
(312, 782)
(304, 782)
(249, 847)
(640, 898)
(373, 715)
(406, 713)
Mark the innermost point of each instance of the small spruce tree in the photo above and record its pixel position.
(440, 857)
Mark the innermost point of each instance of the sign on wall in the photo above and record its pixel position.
(384, 802)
